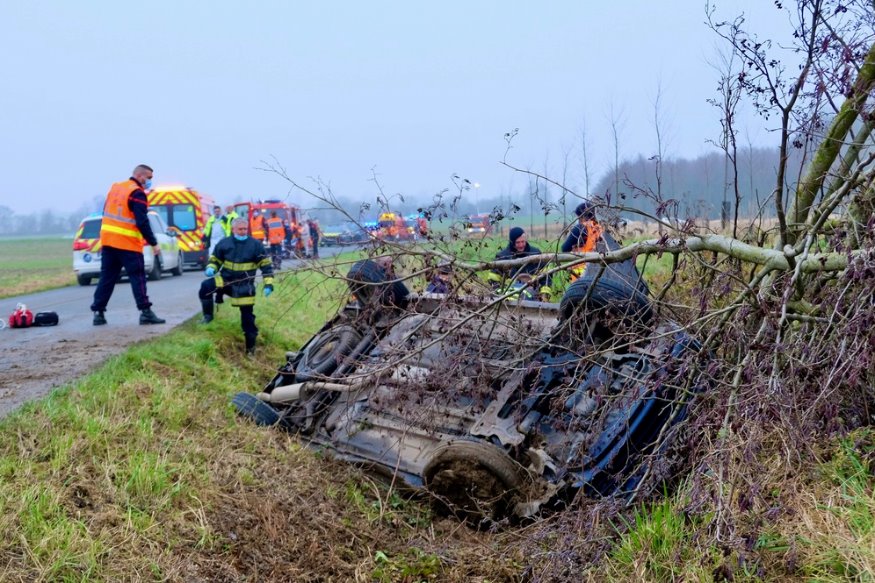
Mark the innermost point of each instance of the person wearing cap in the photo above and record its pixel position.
(440, 281)
(586, 231)
(518, 247)
(522, 276)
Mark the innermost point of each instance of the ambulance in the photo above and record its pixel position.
(186, 211)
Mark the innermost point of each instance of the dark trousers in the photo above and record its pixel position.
(315, 242)
(111, 262)
(247, 315)
(276, 253)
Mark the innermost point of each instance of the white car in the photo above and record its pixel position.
(86, 250)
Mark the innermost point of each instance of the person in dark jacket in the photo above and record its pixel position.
(124, 230)
(231, 272)
(517, 248)
(585, 232)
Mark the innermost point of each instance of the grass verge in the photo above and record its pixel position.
(32, 265)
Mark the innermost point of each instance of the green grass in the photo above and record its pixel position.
(31, 265)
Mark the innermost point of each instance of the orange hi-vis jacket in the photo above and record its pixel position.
(256, 227)
(593, 234)
(276, 232)
(119, 226)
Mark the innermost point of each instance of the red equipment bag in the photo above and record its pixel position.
(21, 317)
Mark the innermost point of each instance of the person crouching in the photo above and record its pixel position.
(231, 272)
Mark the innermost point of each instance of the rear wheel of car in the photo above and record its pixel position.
(155, 273)
(83, 279)
(473, 480)
(325, 352)
(250, 407)
(606, 294)
(177, 271)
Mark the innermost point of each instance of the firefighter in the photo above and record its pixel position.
(583, 236)
(256, 226)
(585, 233)
(298, 237)
(214, 230)
(276, 232)
(124, 231)
(315, 234)
(231, 272)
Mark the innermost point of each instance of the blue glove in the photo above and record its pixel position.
(210, 271)
(268, 289)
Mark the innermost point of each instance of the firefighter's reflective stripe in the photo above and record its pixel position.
(118, 228)
(247, 301)
(250, 266)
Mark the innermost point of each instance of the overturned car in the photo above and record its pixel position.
(495, 406)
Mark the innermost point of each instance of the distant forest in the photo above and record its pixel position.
(699, 185)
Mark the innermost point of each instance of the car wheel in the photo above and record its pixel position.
(473, 480)
(607, 292)
(177, 271)
(249, 406)
(84, 279)
(155, 273)
(364, 278)
(325, 352)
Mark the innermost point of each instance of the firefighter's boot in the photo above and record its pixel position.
(147, 316)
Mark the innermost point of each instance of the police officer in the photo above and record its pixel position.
(124, 231)
(231, 272)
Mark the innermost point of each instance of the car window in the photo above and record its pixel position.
(157, 224)
(183, 217)
(91, 229)
(162, 212)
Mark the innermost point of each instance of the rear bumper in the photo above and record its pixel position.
(198, 258)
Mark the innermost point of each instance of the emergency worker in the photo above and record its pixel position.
(315, 233)
(585, 233)
(276, 232)
(298, 239)
(124, 231)
(231, 271)
(214, 230)
(228, 218)
(583, 236)
(521, 277)
(256, 226)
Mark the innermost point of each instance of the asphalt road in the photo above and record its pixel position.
(35, 360)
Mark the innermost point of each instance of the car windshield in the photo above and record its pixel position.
(91, 229)
(182, 217)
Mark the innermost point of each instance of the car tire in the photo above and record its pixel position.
(325, 352)
(606, 292)
(364, 278)
(84, 280)
(177, 271)
(155, 273)
(473, 480)
(249, 406)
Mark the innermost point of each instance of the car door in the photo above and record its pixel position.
(169, 245)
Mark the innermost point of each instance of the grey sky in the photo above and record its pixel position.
(205, 90)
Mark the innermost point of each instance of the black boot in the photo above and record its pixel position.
(206, 319)
(147, 316)
(250, 344)
(99, 319)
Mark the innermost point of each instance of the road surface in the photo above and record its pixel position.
(34, 360)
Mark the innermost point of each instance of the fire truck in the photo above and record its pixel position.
(286, 212)
(186, 211)
(393, 227)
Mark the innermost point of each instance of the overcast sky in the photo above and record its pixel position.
(203, 91)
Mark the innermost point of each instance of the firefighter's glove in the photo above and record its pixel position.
(268, 289)
(210, 271)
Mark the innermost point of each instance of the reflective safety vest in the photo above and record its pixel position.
(119, 227)
(256, 227)
(593, 234)
(275, 230)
